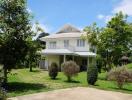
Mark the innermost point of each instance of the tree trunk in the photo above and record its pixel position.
(30, 67)
(5, 75)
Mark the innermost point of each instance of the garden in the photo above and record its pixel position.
(19, 55)
(22, 82)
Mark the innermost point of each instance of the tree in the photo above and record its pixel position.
(42, 43)
(112, 41)
(15, 29)
(33, 46)
(120, 36)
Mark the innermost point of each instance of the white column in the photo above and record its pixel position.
(64, 58)
(87, 63)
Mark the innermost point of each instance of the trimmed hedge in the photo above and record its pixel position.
(53, 70)
(92, 74)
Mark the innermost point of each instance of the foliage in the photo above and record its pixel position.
(121, 75)
(99, 61)
(15, 29)
(113, 41)
(92, 74)
(53, 70)
(2, 90)
(70, 69)
(33, 56)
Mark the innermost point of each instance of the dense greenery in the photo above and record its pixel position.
(2, 90)
(70, 69)
(92, 74)
(112, 41)
(22, 82)
(53, 70)
(15, 30)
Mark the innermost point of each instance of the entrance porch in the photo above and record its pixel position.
(82, 61)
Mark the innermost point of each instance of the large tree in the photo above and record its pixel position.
(116, 38)
(112, 41)
(15, 29)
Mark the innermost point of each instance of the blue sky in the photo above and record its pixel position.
(52, 14)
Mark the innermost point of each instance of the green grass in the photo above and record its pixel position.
(21, 82)
(129, 66)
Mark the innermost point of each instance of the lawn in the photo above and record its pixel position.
(21, 82)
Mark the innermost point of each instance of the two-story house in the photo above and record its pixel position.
(67, 44)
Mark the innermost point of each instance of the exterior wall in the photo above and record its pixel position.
(50, 59)
(72, 44)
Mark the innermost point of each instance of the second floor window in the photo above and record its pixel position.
(52, 45)
(66, 43)
(80, 43)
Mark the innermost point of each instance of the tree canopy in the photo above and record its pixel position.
(15, 29)
(112, 41)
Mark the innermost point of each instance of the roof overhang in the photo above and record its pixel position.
(67, 52)
(56, 51)
(86, 54)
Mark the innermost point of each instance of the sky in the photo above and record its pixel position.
(53, 14)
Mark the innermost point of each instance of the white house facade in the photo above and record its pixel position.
(67, 44)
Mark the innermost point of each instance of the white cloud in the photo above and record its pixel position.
(106, 18)
(100, 16)
(29, 10)
(125, 6)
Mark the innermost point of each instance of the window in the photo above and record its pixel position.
(80, 43)
(52, 45)
(66, 43)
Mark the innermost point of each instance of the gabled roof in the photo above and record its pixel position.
(68, 29)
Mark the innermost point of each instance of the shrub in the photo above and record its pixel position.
(53, 70)
(2, 90)
(92, 74)
(2, 94)
(70, 69)
(121, 75)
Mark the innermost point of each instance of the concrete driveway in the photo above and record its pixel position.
(78, 93)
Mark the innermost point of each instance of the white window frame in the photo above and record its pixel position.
(66, 43)
(80, 43)
(52, 45)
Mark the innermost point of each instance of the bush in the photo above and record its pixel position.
(2, 94)
(70, 69)
(2, 90)
(53, 70)
(121, 75)
(92, 74)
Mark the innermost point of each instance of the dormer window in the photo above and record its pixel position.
(66, 43)
(80, 43)
(52, 45)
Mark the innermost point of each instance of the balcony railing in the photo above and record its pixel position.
(71, 48)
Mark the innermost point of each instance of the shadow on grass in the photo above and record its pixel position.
(54, 79)
(116, 88)
(23, 87)
(100, 78)
(72, 81)
(35, 71)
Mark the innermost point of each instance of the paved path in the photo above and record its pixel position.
(79, 93)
